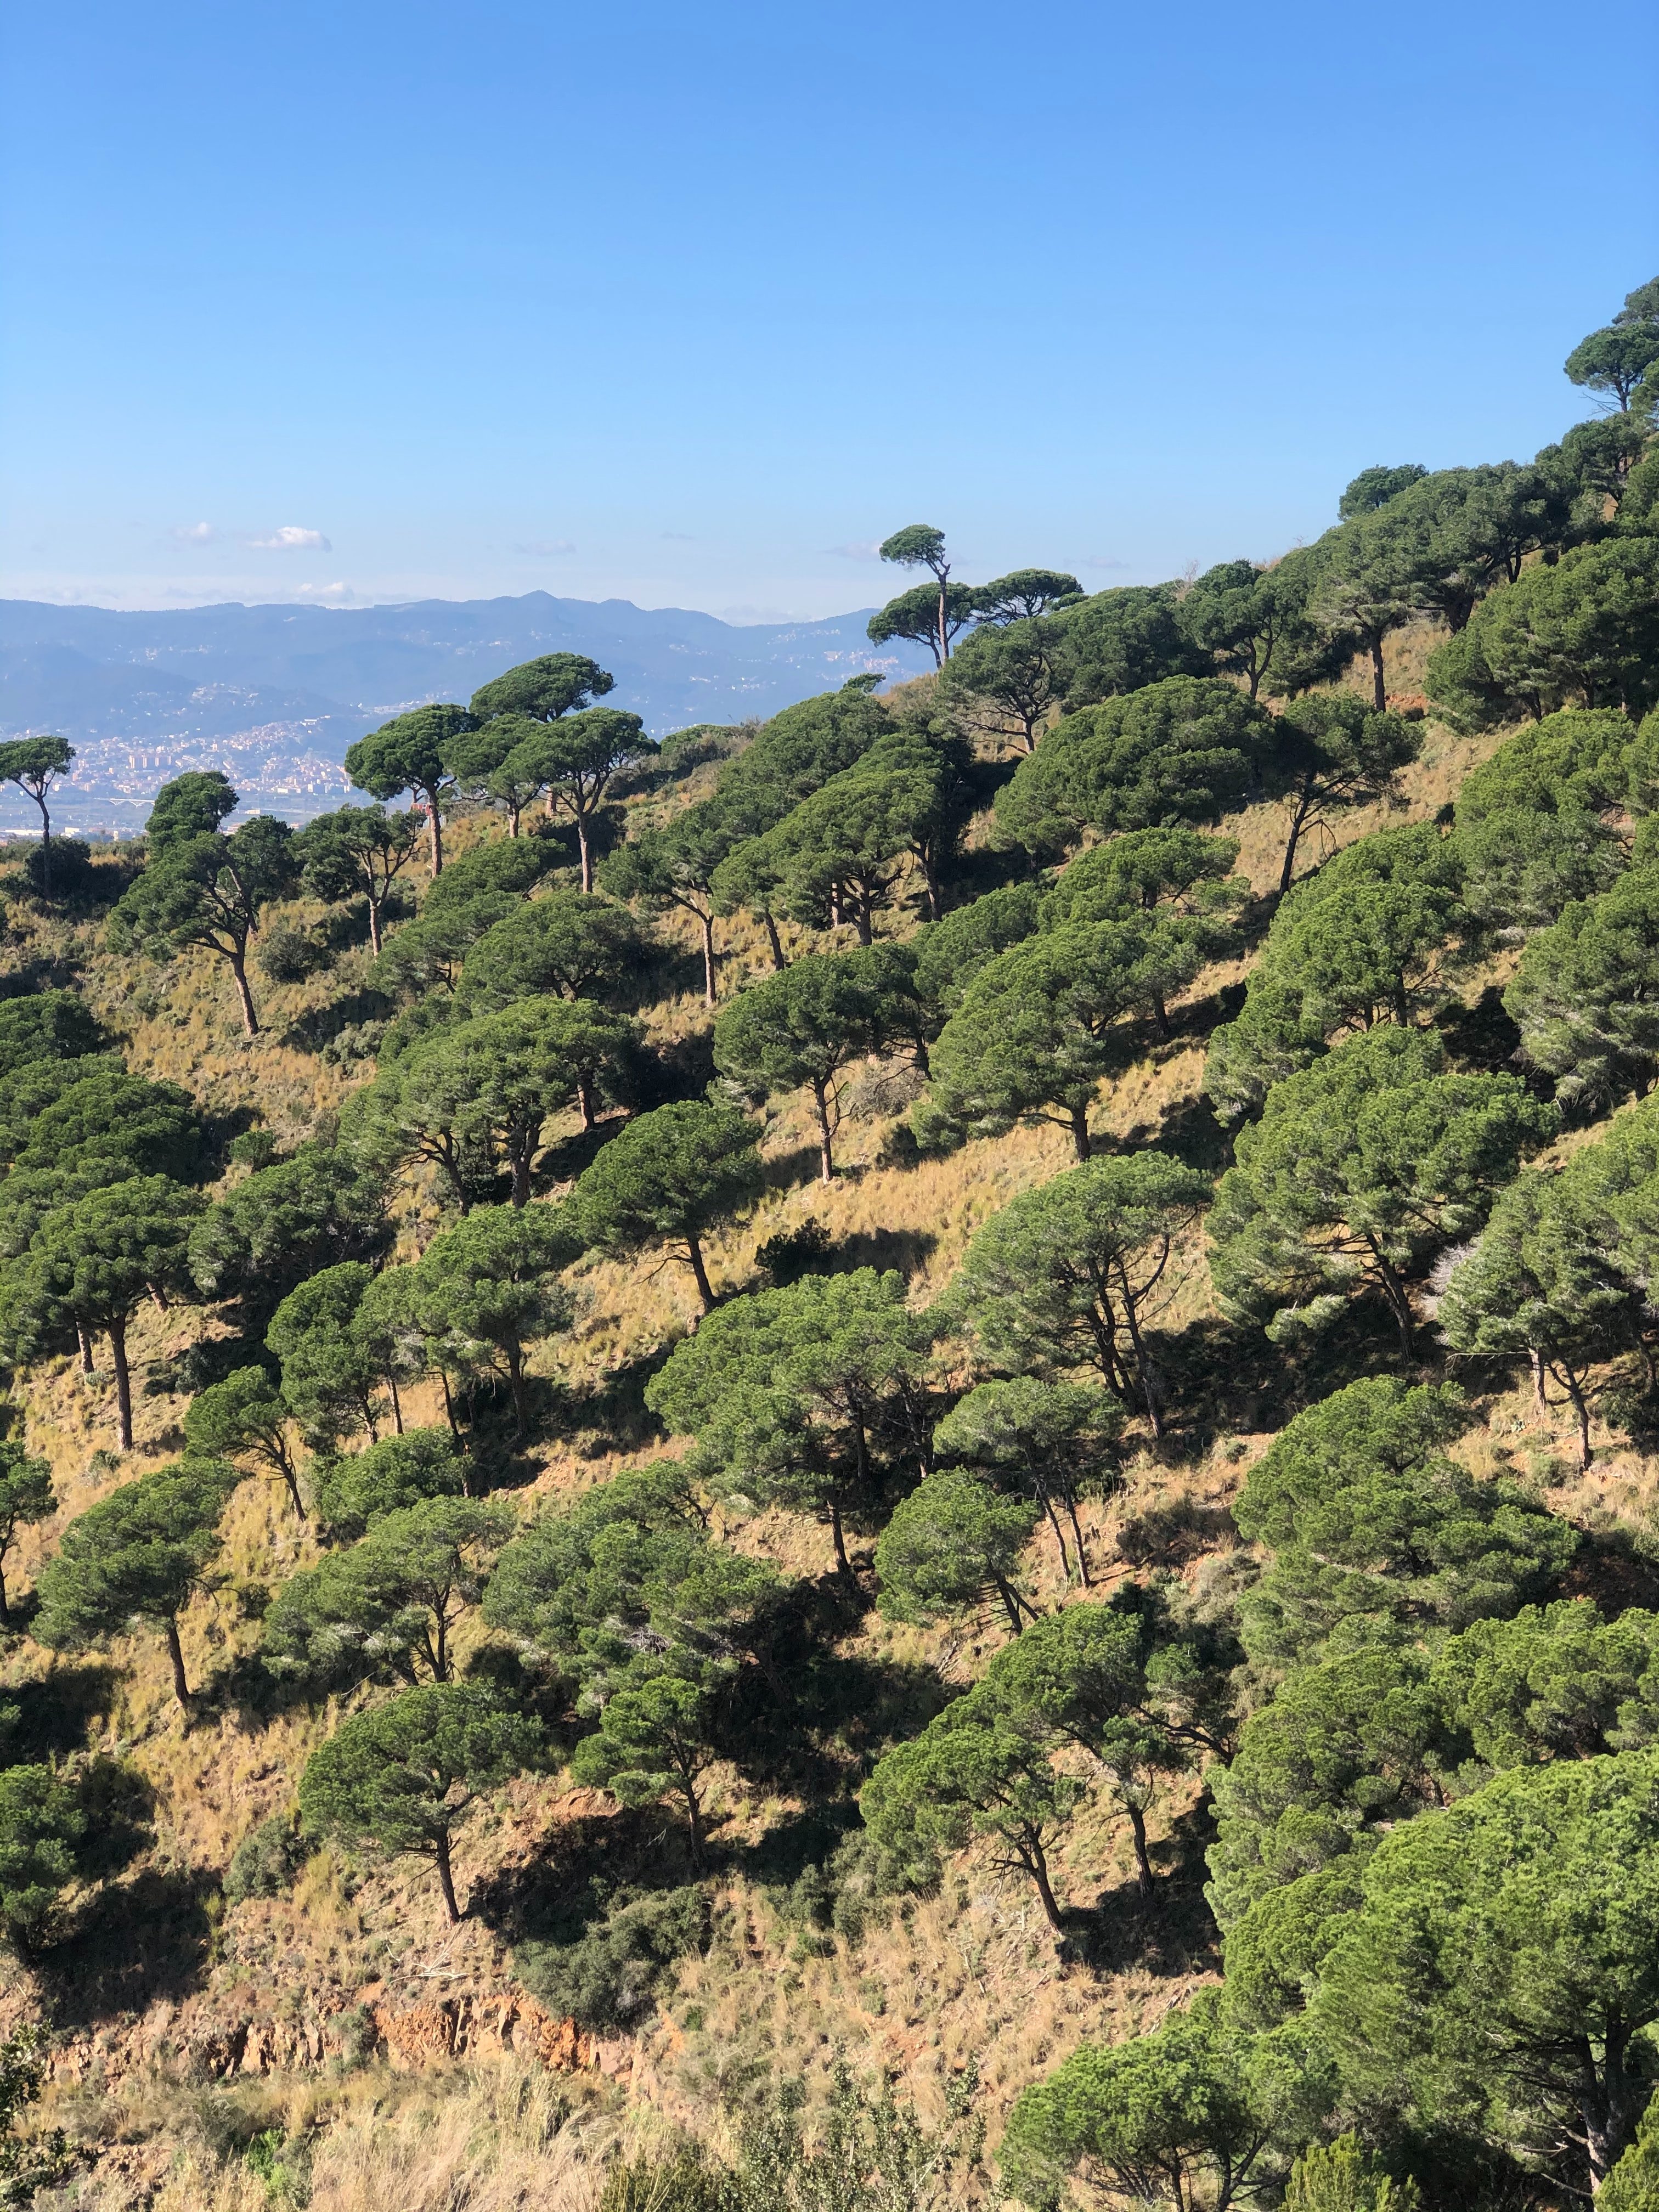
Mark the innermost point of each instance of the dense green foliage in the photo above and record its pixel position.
(1131, 1567)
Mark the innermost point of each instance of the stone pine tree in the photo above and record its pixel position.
(403, 1776)
(140, 1554)
(407, 754)
(670, 1177)
(34, 764)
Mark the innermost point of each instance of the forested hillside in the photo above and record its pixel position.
(906, 1457)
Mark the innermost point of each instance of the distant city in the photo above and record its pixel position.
(274, 695)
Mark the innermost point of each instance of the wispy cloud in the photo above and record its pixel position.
(290, 538)
(333, 595)
(1106, 560)
(193, 533)
(864, 549)
(544, 547)
(679, 536)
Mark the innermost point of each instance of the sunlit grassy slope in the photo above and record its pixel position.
(406, 2053)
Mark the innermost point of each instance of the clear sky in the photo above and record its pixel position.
(690, 305)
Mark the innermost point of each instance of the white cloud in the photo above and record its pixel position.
(290, 538)
(193, 533)
(334, 595)
(865, 549)
(542, 548)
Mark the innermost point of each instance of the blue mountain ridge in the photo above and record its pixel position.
(275, 694)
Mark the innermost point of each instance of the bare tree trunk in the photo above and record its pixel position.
(1377, 684)
(84, 1341)
(1143, 1865)
(773, 941)
(175, 1652)
(587, 857)
(694, 1251)
(1040, 1874)
(1080, 1132)
(374, 943)
(446, 1882)
(397, 1405)
(708, 922)
(435, 837)
(239, 971)
(118, 1348)
(826, 1158)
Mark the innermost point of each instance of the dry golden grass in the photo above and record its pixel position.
(970, 1973)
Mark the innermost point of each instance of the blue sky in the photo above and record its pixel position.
(690, 305)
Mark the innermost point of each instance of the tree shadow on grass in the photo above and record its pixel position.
(907, 1249)
(1226, 1376)
(138, 1941)
(615, 1406)
(53, 1715)
(1171, 1934)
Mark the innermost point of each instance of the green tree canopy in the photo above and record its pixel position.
(980, 1771)
(34, 764)
(570, 943)
(673, 863)
(804, 1026)
(1584, 995)
(577, 759)
(1023, 594)
(358, 851)
(407, 754)
(1505, 1961)
(1361, 1169)
(789, 1392)
(402, 1775)
(354, 1492)
(670, 1177)
(653, 1740)
(949, 953)
(331, 1377)
(390, 1603)
(1122, 640)
(207, 893)
(26, 1496)
(485, 1291)
(1333, 755)
(139, 1555)
(1071, 1273)
(286, 1222)
(556, 684)
(1375, 936)
(1039, 1026)
(1179, 2116)
(474, 1097)
(95, 1259)
(1087, 1675)
(243, 1421)
(949, 1544)
(1584, 633)
(1374, 1528)
(192, 805)
(1006, 679)
(1056, 1439)
(1186, 749)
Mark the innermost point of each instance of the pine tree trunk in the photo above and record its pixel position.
(587, 857)
(118, 1348)
(826, 1158)
(708, 922)
(1080, 1132)
(239, 972)
(694, 1248)
(175, 1652)
(446, 1882)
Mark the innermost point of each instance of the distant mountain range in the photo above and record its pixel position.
(275, 694)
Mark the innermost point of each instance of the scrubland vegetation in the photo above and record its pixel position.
(901, 1459)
